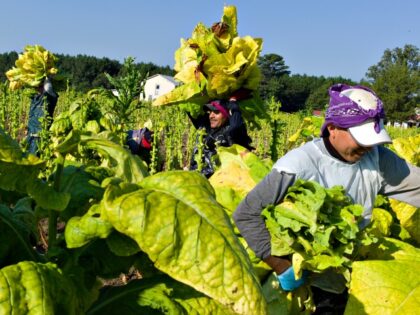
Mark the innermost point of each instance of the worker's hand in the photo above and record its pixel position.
(48, 87)
(232, 107)
(288, 282)
(240, 94)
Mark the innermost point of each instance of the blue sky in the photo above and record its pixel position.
(315, 37)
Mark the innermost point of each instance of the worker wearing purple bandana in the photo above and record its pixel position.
(358, 109)
(349, 153)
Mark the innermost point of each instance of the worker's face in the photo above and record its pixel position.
(346, 146)
(216, 119)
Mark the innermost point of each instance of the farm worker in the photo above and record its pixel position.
(139, 142)
(348, 153)
(42, 104)
(224, 126)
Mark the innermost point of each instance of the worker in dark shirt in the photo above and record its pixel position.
(139, 142)
(224, 126)
(42, 104)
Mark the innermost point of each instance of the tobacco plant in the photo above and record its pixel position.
(117, 216)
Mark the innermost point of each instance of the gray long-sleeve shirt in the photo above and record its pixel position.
(379, 171)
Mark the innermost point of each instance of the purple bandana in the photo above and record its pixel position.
(345, 113)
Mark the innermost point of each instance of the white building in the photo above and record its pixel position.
(157, 85)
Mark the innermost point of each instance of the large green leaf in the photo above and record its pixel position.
(122, 245)
(15, 238)
(240, 170)
(408, 148)
(385, 287)
(22, 176)
(83, 188)
(46, 196)
(155, 295)
(98, 260)
(35, 288)
(10, 149)
(23, 211)
(81, 230)
(176, 220)
(125, 165)
(17, 171)
(409, 217)
(20, 173)
(389, 249)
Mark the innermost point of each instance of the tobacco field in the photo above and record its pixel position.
(88, 211)
(89, 228)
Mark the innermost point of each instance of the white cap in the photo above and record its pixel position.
(365, 133)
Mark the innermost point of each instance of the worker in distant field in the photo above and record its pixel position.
(224, 126)
(42, 106)
(350, 154)
(139, 142)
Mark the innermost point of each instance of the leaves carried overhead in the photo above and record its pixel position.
(32, 67)
(214, 63)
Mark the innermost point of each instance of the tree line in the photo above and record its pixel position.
(84, 72)
(395, 78)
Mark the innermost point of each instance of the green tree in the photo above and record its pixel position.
(272, 68)
(319, 98)
(7, 61)
(153, 69)
(295, 90)
(272, 65)
(396, 80)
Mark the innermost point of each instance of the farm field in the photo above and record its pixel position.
(88, 212)
(88, 227)
(175, 134)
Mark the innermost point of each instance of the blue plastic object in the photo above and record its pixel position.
(288, 282)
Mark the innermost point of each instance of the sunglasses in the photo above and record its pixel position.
(217, 112)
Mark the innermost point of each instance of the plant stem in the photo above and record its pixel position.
(52, 228)
(52, 215)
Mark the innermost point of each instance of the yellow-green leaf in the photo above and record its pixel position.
(176, 220)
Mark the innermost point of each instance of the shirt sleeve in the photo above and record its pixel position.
(51, 100)
(247, 216)
(236, 124)
(237, 132)
(401, 179)
(202, 121)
